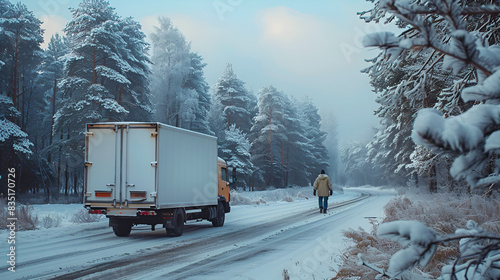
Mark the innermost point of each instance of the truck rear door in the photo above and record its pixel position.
(139, 164)
(101, 163)
(121, 164)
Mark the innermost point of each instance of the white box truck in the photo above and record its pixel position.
(152, 173)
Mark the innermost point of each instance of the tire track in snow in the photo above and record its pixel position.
(258, 248)
(216, 263)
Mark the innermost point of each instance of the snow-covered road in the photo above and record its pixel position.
(256, 242)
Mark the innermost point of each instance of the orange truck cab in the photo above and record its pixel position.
(223, 179)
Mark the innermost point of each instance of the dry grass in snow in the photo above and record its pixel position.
(442, 212)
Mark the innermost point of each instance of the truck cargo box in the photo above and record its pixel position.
(149, 165)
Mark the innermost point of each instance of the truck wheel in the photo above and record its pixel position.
(178, 225)
(221, 216)
(122, 230)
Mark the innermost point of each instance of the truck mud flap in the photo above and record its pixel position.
(227, 207)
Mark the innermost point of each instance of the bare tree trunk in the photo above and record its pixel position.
(14, 76)
(59, 168)
(286, 164)
(94, 73)
(432, 179)
(228, 115)
(120, 96)
(452, 182)
(75, 182)
(271, 147)
(23, 110)
(102, 77)
(66, 179)
(52, 119)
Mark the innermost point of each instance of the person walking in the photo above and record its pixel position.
(324, 188)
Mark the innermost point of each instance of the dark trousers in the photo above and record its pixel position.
(323, 202)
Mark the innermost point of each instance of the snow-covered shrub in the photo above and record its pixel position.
(238, 199)
(48, 222)
(288, 199)
(27, 219)
(377, 251)
(260, 201)
(300, 195)
(83, 216)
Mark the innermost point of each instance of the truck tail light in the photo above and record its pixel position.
(138, 194)
(103, 194)
(147, 213)
(94, 211)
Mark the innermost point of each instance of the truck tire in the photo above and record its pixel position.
(122, 230)
(178, 225)
(221, 216)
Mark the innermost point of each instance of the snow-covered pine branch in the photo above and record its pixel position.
(463, 47)
(479, 250)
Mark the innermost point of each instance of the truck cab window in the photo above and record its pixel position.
(224, 174)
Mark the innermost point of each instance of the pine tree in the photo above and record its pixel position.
(296, 149)
(235, 148)
(462, 37)
(136, 97)
(329, 124)
(105, 78)
(49, 71)
(170, 68)
(269, 134)
(406, 80)
(13, 140)
(217, 122)
(317, 151)
(459, 38)
(178, 83)
(237, 102)
(356, 170)
(196, 81)
(20, 39)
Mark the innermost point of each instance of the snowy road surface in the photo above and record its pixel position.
(256, 242)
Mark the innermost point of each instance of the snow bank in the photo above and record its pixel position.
(57, 215)
(274, 195)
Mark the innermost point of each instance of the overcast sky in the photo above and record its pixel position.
(305, 48)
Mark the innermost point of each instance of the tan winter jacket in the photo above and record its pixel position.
(323, 185)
